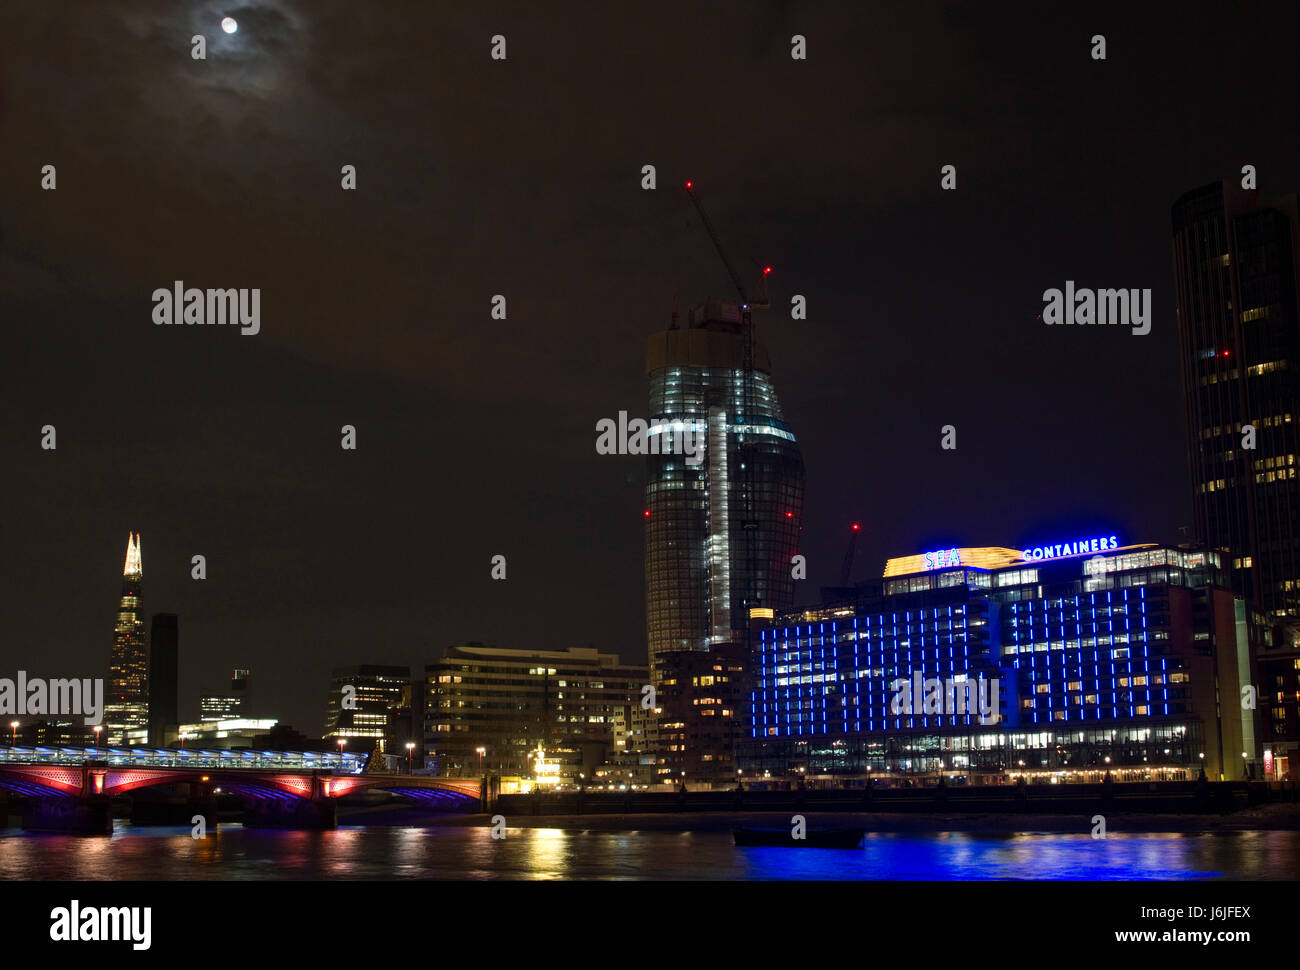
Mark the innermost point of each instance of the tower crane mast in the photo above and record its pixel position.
(749, 522)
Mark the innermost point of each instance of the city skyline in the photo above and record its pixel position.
(640, 453)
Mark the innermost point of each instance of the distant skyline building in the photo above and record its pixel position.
(1235, 276)
(164, 660)
(233, 702)
(363, 699)
(708, 559)
(234, 732)
(406, 725)
(126, 707)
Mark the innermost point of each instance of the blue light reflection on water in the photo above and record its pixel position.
(470, 853)
(957, 855)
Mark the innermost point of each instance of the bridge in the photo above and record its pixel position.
(68, 789)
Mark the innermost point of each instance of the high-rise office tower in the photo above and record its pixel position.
(164, 645)
(711, 556)
(126, 709)
(1235, 277)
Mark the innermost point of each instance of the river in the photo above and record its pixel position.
(454, 852)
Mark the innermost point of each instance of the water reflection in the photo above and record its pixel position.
(232, 852)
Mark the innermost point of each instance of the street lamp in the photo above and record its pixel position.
(98, 728)
(13, 741)
(342, 741)
(410, 747)
(481, 752)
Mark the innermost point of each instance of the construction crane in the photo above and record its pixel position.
(762, 303)
(749, 521)
(847, 568)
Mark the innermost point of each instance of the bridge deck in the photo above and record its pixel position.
(346, 763)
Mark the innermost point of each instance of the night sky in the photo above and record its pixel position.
(522, 177)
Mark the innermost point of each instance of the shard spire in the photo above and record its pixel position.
(133, 568)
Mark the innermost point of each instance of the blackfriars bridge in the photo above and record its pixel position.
(70, 789)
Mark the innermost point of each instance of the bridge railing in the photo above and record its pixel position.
(224, 758)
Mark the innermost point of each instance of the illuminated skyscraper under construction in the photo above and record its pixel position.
(711, 553)
(126, 711)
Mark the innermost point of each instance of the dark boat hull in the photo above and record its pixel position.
(832, 839)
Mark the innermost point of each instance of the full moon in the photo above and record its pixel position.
(228, 25)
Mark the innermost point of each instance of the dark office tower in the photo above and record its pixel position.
(1235, 277)
(709, 559)
(164, 643)
(126, 708)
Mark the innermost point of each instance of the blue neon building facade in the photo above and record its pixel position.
(1128, 661)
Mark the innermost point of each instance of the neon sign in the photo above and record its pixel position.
(1080, 547)
(942, 558)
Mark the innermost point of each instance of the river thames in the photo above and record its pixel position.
(455, 852)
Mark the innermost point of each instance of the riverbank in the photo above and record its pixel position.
(1275, 817)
